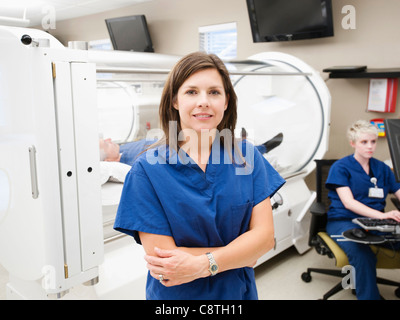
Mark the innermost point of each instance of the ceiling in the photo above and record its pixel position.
(30, 13)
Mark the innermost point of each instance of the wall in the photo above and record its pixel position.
(375, 42)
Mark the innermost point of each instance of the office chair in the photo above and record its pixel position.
(325, 245)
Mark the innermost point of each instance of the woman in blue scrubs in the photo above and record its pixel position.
(349, 182)
(197, 200)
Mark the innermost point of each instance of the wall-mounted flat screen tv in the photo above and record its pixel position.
(130, 33)
(286, 20)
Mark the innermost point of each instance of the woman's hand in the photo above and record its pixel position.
(394, 214)
(176, 266)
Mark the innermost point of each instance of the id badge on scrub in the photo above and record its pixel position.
(375, 193)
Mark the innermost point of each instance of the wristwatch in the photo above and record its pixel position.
(213, 264)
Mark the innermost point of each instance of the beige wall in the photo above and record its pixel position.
(375, 42)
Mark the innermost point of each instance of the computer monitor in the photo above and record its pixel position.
(130, 33)
(277, 20)
(392, 128)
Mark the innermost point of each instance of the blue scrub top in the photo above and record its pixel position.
(349, 172)
(131, 150)
(170, 195)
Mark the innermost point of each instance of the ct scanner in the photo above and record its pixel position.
(56, 218)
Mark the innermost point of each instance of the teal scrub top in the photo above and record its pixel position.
(170, 195)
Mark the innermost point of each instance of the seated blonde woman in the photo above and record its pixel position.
(349, 182)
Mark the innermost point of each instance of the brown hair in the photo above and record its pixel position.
(186, 67)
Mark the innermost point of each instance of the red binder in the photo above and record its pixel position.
(382, 95)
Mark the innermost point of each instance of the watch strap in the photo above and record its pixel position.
(213, 264)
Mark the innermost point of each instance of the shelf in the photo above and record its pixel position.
(367, 74)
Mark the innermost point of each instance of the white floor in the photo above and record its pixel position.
(280, 278)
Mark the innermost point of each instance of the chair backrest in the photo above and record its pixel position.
(322, 171)
(321, 205)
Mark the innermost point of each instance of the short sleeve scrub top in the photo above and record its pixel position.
(170, 195)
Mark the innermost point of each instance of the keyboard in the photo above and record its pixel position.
(384, 225)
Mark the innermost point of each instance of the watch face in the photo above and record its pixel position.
(214, 268)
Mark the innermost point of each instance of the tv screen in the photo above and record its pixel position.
(286, 20)
(392, 128)
(130, 33)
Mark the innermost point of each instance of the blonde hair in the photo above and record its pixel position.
(359, 127)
